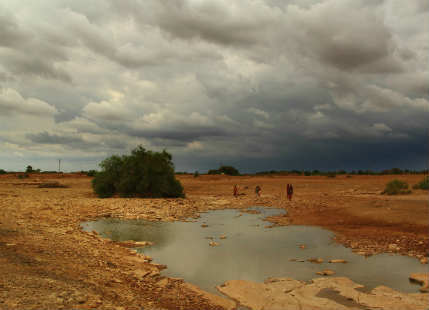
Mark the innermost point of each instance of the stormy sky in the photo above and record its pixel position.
(261, 85)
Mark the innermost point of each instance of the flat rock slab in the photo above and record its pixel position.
(287, 293)
(216, 300)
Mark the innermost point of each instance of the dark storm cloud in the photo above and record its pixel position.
(259, 84)
(47, 138)
(187, 20)
(26, 53)
(180, 134)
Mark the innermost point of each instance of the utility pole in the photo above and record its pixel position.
(59, 165)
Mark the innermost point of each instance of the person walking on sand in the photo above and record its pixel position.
(235, 191)
(290, 192)
(258, 191)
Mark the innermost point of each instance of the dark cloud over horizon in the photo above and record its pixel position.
(317, 84)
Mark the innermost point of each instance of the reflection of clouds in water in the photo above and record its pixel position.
(249, 254)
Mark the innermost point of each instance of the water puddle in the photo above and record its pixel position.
(251, 251)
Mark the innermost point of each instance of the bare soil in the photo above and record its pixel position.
(48, 262)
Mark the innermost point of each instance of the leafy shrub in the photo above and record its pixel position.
(29, 169)
(423, 184)
(54, 184)
(91, 173)
(196, 174)
(396, 187)
(23, 176)
(228, 170)
(143, 173)
(2, 171)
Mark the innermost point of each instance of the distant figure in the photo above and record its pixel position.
(235, 191)
(258, 191)
(287, 190)
(290, 192)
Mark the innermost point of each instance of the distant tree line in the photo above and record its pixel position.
(228, 170)
(393, 171)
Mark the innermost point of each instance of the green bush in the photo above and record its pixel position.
(423, 184)
(396, 187)
(2, 171)
(196, 174)
(143, 174)
(91, 173)
(228, 170)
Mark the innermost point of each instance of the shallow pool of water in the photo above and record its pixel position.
(253, 252)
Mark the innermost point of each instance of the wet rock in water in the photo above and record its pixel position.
(213, 243)
(338, 261)
(326, 272)
(315, 260)
(286, 293)
(422, 279)
(222, 237)
(134, 244)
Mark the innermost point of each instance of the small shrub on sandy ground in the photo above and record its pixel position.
(142, 174)
(423, 184)
(2, 171)
(396, 187)
(52, 185)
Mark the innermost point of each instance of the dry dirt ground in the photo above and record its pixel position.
(48, 262)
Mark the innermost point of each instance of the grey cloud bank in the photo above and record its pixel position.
(258, 84)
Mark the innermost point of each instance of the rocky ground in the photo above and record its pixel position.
(48, 262)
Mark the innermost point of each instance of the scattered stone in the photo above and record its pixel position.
(302, 246)
(216, 300)
(222, 237)
(424, 260)
(422, 279)
(315, 260)
(162, 283)
(213, 243)
(140, 274)
(204, 225)
(338, 261)
(326, 272)
(286, 293)
(393, 247)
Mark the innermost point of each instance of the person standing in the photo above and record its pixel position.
(287, 191)
(258, 191)
(290, 192)
(235, 191)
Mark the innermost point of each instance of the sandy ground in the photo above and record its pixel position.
(48, 262)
